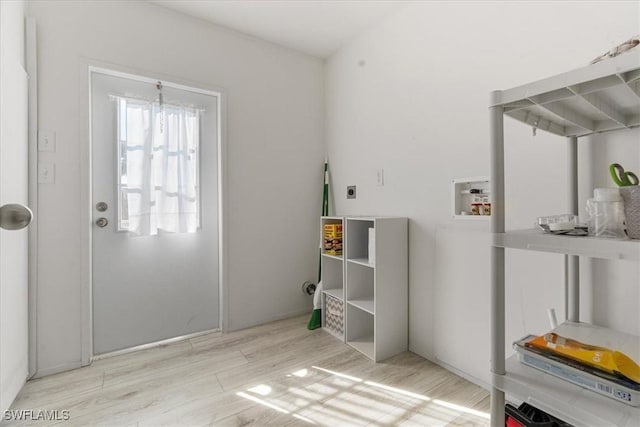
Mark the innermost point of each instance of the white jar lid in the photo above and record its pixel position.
(607, 195)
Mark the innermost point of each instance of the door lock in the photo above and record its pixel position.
(102, 222)
(101, 206)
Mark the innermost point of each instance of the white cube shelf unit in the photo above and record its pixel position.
(333, 316)
(376, 286)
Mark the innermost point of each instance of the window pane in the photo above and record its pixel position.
(158, 167)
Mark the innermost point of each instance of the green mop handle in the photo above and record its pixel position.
(325, 212)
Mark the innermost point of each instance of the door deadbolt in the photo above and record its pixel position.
(102, 222)
(14, 216)
(101, 206)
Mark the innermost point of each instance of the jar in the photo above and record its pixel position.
(476, 206)
(606, 214)
(486, 206)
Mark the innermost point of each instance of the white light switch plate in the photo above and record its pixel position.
(46, 141)
(46, 173)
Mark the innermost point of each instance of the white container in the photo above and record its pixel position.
(606, 214)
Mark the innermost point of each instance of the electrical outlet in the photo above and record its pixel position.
(46, 141)
(351, 192)
(46, 173)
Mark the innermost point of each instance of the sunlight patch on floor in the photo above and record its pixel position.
(342, 399)
(305, 393)
(305, 419)
(398, 390)
(262, 402)
(337, 374)
(261, 389)
(301, 373)
(461, 409)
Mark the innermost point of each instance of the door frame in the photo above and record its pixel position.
(31, 65)
(87, 68)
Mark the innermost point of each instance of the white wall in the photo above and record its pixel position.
(410, 95)
(275, 121)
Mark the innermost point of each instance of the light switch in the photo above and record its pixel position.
(46, 141)
(46, 173)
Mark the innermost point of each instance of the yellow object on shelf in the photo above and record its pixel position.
(602, 358)
(333, 239)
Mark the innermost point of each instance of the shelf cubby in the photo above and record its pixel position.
(361, 282)
(360, 331)
(377, 292)
(332, 268)
(332, 275)
(358, 234)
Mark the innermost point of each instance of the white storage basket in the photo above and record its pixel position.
(631, 197)
(333, 315)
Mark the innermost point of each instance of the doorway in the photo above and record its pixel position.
(155, 210)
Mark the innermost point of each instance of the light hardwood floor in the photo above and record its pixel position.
(279, 374)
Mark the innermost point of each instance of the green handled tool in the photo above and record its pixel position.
(316, 316)
(621, 177)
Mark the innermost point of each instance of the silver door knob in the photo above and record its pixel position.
(102, 222)
(14, 216)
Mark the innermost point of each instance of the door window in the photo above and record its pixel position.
(158, 153)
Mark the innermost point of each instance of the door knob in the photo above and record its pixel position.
(14, 216)
(101, 206)
(102, 222)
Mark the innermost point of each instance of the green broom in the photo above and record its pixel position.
(316, 316)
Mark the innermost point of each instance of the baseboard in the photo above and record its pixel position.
(57, 369)
(153, 344)
(271, 319)
(466, 376)
(75, 365)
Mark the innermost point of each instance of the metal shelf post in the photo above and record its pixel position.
(572, 261)
(496, 132)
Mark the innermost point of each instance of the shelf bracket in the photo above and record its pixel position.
(570, 116)
(630, 85)
(602, 106)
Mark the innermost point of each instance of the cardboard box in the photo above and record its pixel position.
(333, 239)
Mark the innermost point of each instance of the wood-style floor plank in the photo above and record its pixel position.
(278, 374)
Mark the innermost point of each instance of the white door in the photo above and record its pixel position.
(153, 278)
(13, 190)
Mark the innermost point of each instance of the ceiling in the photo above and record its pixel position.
(316, 27)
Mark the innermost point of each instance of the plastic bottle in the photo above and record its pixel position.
(606, 214)
(476, 206)
(486, 206)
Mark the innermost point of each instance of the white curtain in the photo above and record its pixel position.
(159, 169)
